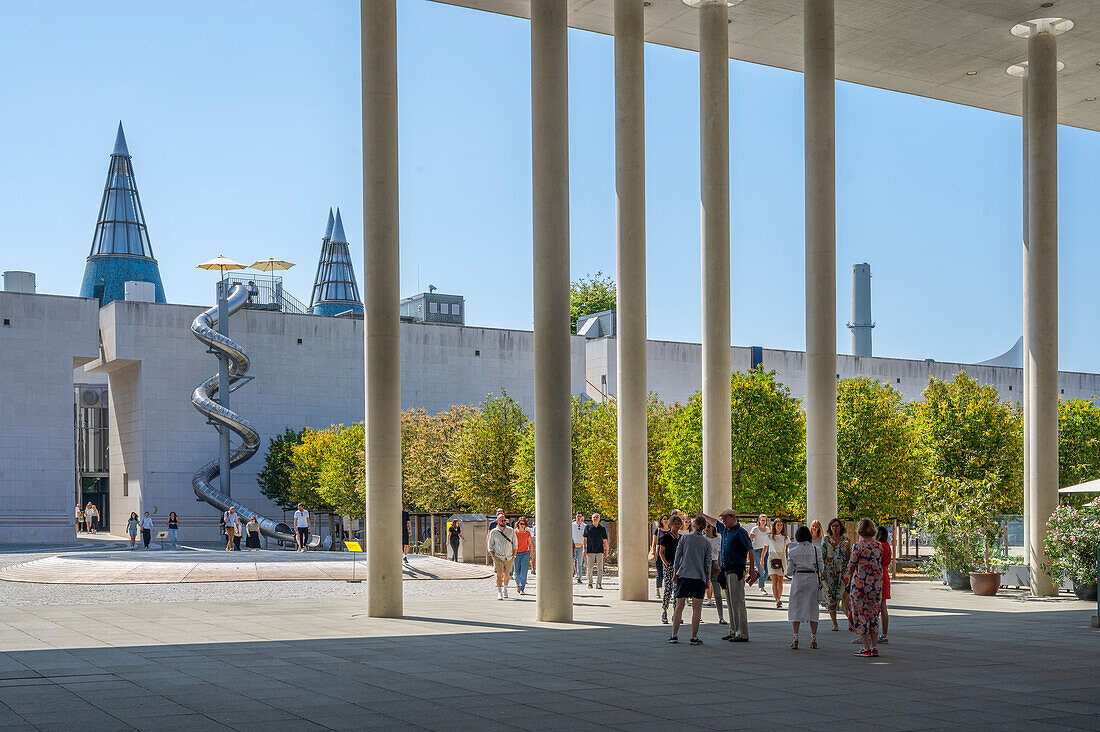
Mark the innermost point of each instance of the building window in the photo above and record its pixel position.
(433, 307)
(446, 308)
(899, 381)
(477, 352)
(456, 309)
(125, 484)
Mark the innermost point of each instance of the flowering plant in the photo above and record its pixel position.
(1071, 541)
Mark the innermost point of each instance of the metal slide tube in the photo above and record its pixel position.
(204, 327)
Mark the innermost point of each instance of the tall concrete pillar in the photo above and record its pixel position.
(819, 82)
(633, 441)
(715, 194)
(1027, 338)
(1042, 283)
(1020, 71)
(550, 171)
(381, 322)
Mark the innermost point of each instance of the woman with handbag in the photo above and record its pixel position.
(775, 559)
(804, 565)
(835, 550)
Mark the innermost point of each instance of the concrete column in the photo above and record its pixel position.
(1042, 284)
(715, 194)
(381, 333)
(550, 172)
(225, 476)
(1027, 338)
(633, 441)
(819, 83)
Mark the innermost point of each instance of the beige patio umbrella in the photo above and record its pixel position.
(269, 265)
(222, 264)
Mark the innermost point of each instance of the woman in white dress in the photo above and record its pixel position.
(775, 559)
(805, 566)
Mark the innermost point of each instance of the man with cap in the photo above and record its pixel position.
(737, 558)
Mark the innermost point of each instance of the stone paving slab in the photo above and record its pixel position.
(199, 566)
(467, 661)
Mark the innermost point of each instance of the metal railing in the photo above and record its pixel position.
(268, 294)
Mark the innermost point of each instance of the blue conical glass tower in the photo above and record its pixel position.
(334, 289)
(120, 248)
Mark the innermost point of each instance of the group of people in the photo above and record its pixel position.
(235, 529)
(512, 550)
(87, 518)
(701, 557)
(144, 524)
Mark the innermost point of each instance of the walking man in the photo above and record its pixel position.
(301, 527)
(501, 546)
(578, 545)
(232, 526)
(737, 560)
(146, 530)
(759, 536)
(691, 569)
(595, 549)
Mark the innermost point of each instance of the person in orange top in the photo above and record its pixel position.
(525, 554)
(884, 538)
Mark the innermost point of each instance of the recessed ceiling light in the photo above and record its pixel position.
(646, 5)
(971, 73)
(1046, 5)
(1090, 99)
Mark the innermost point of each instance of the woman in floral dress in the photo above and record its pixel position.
(834, 580)
(865, 569)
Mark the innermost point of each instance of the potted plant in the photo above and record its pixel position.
(1071, 543)
(946, 525)
(980, 511)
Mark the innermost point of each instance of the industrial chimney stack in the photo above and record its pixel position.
(861, 324)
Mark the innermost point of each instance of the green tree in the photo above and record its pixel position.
(485, 453)
(1078, 443)
(274, 479)
(971, 435)
(590, 295)
(427, 457)
(306, 462)
(768, 444)
(341, 478)
(658, 417)
(880, 462)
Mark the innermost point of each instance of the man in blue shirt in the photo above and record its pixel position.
(737, 557)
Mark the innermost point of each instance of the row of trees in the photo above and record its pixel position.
(888, 452)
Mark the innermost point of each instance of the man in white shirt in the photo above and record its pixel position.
(578, 545)
(232, 526)
(501, 546)
(301, 527)
(759, 536)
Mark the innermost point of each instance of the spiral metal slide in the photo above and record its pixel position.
(204, 327)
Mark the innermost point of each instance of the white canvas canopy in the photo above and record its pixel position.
(1091, 486)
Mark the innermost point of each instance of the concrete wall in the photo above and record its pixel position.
(42, 339)
(308, 373)
(674, 371)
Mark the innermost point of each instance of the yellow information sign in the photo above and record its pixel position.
(352, 546)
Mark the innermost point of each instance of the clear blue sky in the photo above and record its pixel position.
(243, 120)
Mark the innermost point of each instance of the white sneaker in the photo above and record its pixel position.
(500, 593)
(505, 592)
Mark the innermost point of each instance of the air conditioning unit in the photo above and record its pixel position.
(93, 397)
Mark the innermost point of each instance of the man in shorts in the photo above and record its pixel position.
(501, 546)
(691, 570)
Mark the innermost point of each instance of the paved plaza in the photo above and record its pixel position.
(153, 656)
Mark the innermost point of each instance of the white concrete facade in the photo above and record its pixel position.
(308, 373)
(674, 370)
(42, 339)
